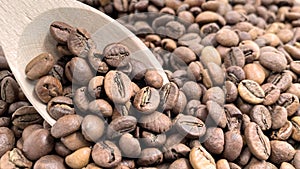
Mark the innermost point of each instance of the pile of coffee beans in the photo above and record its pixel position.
(232, 100)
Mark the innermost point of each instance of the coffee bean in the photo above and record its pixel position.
(281, 151)
(39, 66)
(60, 31)
(100, 107)
(276, 63)
(251, 92)
(208, 17)
(92, 127)
(60, 106)
(75, 141)
(8, 140)
(254, 72)
(66, 125)
(150, 156)
(121, 125)
(272, 93)
(190, 126)
(296, 128)
(25, 116)
(50, 161)
(169, 95)
(47, 88)
(117, 80)
(129, 146)
(214, 141)
(152, 140)
(250, 50)
(283, 81)
(79, 158)
(61, 149)
(231, 91)
(258, 143)
(216, 113)
(234, 117)
(180, 163)
(146, 100)
(176, 151)
(9, 90)
(244, 157)
(296, 161)
(200, 158)
(81, 100)
(284, 132)
(290, 102)
(261, 116)
(156, 122)
(74, 70)
(106, 154)
(80, 42)
(116, 55)
(227, 37)
(234, 57)
(279, 117)
(232, 139)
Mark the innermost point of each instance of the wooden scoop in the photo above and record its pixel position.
(24, 34)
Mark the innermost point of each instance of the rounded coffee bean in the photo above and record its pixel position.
(235, 74)
(100, 107)
(254, 72)
(150, 156)
(49, 161)
(97, 63)
(76, 68)
(61, 149)
(25, 116)
(75, 141)
(201, 159)
(235, 57)
(192, 90)
(250, 49)
(47, 88)
(274, 61)
(284, 132)
(79, 159)
(190, 126)
(129, 146)
(258, 143)
(174, 29)
(245, 156)
(261, 116)
(181, 163)
(60, 31)
(283, 81)
(156, 122)
(38, 144)
(153, 78)
(181, 103)
(214, 140)
(106, 154)
(121, 125)
(281, 151)
(290, 102)
(272, 93)
(251, 92)
(232, 139)
(95, 86)
(279, 117)
(80, 42)
(39, 66)
(185, 54)
(227, 37)
(7, 140)
(117, 86)
(81, 100)
(231, 91)
(189, 39)
(146, 100)
(116, 55)
(92, 127)
(296, 160)
(60, 106)
(216, 94)
(216, 113)
(66, 125)
(9, 90)
(169, 95)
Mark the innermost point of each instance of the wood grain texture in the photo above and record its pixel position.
(24, 34)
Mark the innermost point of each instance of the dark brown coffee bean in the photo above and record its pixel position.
(8, 140)
(75, 141)
(39, 66)
(284, 132)
(261, 116)
(176, 151)
(97, 63)
(190, 126)
(245, 156)
(38, 144)
(290, 102)
(258, 143)
(281, 151)
(4, 121)
(49, 161)
(152, 140)
(81, 100)
(185, 54)
(150, 156)
(57, 71)
(129, 146)
(60, 106)
(15, 159)
(60, 31)
(116, 55)
(66, 125)
(214, 140)
(279, 116)
(200, 158)
(106, 154)
(235, 74)
(25, 116)
(146, 100)
(80, 42)
(156, 122)
(100, 107)
(232, 139)
(272, 93)
(121, 125)
(92, 127)
(153, 78)
(47, 88)
(251, 92)
(169, 95)
(9, 90)
(117, 86)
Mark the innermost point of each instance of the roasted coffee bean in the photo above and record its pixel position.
(244, 157)
(95, 86)
(192, 90)
(283, 81)
(174, 29)
(169, 95)
(284, 132)
(66, 125)
(216, 113)
(290, 102)
(279, 117)
(296, 128)
(77, 67)
(156, 122)
(261, 116)
(61, 149)
(222, 164)
(129, 146)
(185, 54)
(152, 140)
(216, 94)
(251, 92)
(106, 154)
(296, 160)
(38, 144)
(116, 55)
(150, 156)
(49, 161)
(100, 107)
(25, 116)
(276, 63)
(121, 125)
(60, 106)
(57, 71)
(60, 31)
(281, 151)
(176, 151)
(181, 163)
(258, 143)
(92, 127)
(200, 158)
(272, 93)
(39, 66)
(8, 140)
(190, 126)
(235, 74)
(235, 57)
(181, 103)
(153, 78)
(234, 117)
(9, 90)
(227, 37)
(117, 86)
(214, 140)
(81, 100)
(15, 159)
(80, 42)
(255, 72)
(250, 50)
(232, 139)
(189, 38)
(146, 100)
(47, 88)
(75, 141)
(79, 158)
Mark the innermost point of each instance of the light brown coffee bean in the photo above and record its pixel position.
(201, 159)
(251, 92)
(79, 158)
(227, 37)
